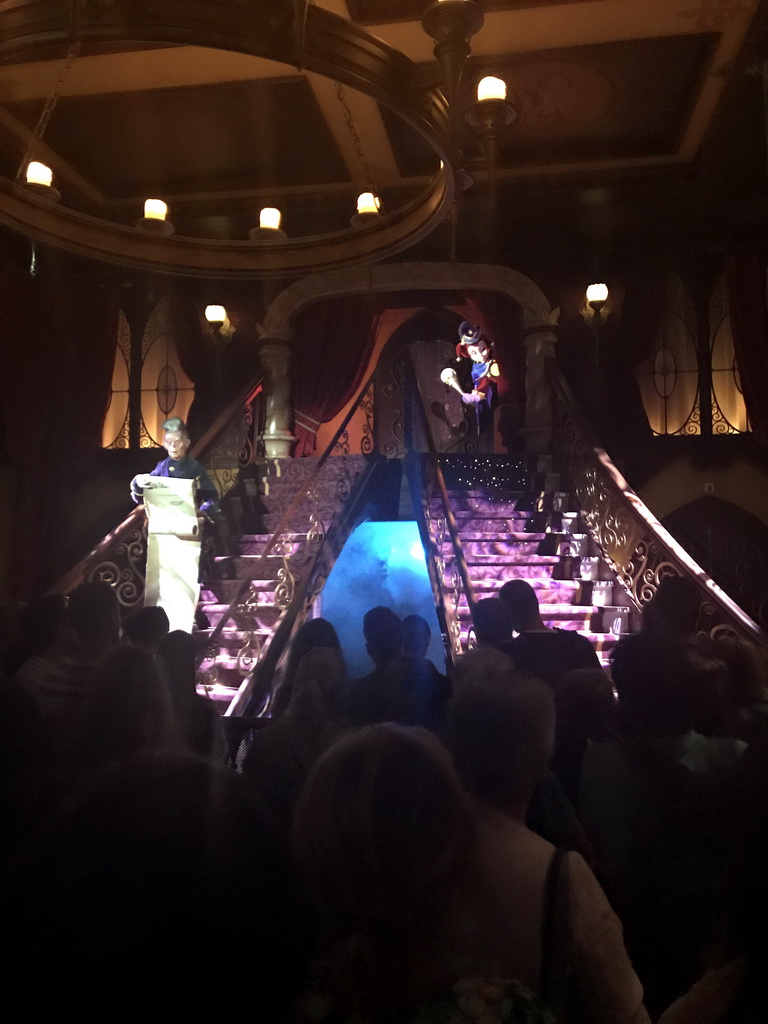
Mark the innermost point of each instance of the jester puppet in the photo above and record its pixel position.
(475, 379)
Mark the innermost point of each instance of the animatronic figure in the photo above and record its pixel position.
(173, 538)
(484, 372)
(180, 466)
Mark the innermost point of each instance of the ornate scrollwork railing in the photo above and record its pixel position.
(306, 539)
(119, 559)
(450, 580)
(641, 552)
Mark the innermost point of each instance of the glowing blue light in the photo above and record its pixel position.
(382, 563)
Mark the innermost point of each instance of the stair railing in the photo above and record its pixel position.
(328, 491)
(639, 549)
(120, 558)
(436, 527)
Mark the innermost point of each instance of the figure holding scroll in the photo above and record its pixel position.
(170, 493)
(180, 466)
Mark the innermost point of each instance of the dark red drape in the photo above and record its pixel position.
(746, 279)
(332, 344)
(57, 344)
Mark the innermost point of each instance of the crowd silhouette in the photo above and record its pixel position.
(525, 837)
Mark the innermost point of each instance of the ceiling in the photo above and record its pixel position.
(638, 123)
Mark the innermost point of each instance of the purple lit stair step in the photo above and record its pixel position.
(603, 643)
(503, 546)
(220, 591)
(501, 534)
(510, 559)
(266, 617)
(221, 694)
(231, 640)
(468, 522)
(245, 564)
(254, 544)
(574, 617)
(466, 504)
(548, 591)
(503, 571)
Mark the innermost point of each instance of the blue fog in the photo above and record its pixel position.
(382, 563)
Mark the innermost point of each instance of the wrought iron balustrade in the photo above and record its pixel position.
(640, 550)
(119, 559)
(437, 525)
(306, 539)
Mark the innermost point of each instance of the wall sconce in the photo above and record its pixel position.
(155, 218)
(596, 309)
(368, 206)
(269, 229)
(220, 324)
(489, 115)
(38, 178)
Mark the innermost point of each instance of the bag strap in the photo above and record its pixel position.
(555, 934)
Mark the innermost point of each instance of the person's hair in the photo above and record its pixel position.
(41, 623)
(501, 728)
(325, 668)
(94, 613)
(746, 665)
(520, 597)
(745, 883)
(674, 608)
(585, 698)
(310, 634)
(383, 632)
(416, 636)
(147, 626)
(383, 836)
(492, 621)
(480, 663)
(658, 679)
(131, 708)
(148, 863)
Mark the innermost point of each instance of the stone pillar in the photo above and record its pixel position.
(275, 354)
(540, 340)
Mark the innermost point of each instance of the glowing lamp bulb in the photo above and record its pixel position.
(367, 202)
(215, 314)
(491, 88)
(597, 293)
(39, 174)
(155, 209)
(270, 217)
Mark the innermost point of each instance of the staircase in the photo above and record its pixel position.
(251, 596)
(515, 524)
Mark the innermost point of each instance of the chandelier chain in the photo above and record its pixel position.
(356, 139)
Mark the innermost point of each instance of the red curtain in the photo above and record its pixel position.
(332, 344)
(57, 339)
(746, 278)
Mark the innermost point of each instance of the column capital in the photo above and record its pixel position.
(541, 323)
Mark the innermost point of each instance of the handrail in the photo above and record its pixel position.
(129, 531)
(641, 551)
(260, 677)
(286, 518)
(453, 532)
